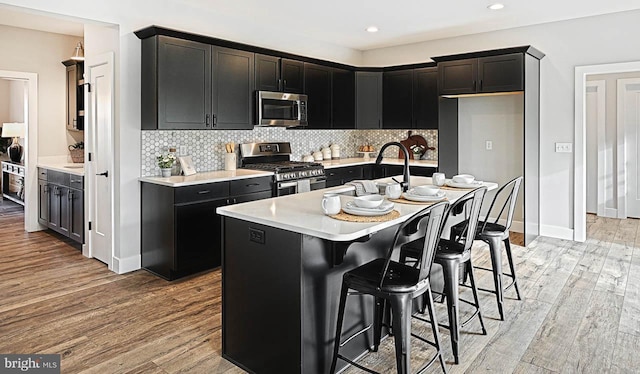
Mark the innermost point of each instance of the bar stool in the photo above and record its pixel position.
(451, 254)
(398, 284)
(493, 233)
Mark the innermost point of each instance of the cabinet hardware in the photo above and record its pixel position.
(474, 85)
(252, 184)
(105, 174)
(203, 192)
(70, 195)
(279, 84)
(215, 120)
(206, 122)
(480, 85)
(284, 85)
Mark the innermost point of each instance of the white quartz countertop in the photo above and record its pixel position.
(70, 168)
(352, 161)
(303, 214)
(206, 177)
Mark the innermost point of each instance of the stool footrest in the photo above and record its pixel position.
(357, 364)
(355, 335)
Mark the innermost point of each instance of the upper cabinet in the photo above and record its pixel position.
(502, 73)
(410, 99)
(193, 85)
(368, 100)
(343, 99)
(317, 87)
(279, 74)
(75, 94)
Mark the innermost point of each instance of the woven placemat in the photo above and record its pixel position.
(402, 200)
(342, 216)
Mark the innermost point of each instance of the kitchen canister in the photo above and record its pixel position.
(317, 156)
(326, 153)
(335, 151)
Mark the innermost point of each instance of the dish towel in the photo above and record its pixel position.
(364, 187)
(304, 186)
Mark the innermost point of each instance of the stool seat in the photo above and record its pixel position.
(399, 278)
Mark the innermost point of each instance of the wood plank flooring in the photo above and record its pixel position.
(579, 312)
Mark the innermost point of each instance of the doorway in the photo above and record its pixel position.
(580, 158)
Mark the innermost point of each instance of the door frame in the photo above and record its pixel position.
(579, 167)
(622, 144)
(90, 189)
(31, 144)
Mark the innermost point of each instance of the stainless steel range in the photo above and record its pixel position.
(289, 176)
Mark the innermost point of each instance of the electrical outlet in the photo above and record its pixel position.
(489, 145)
(183, 150)
(564, 147)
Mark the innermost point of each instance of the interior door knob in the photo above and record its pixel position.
(105, 174)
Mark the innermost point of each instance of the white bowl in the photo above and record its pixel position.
(368, 201)
(463, 178)
(426, 190)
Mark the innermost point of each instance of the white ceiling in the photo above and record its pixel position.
(343, 22)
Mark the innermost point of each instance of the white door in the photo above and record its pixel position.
(595, 146)
(629, 118)
(100, 173)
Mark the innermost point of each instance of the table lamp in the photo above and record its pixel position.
(15, 131)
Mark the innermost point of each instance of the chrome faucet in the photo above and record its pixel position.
(405, 172)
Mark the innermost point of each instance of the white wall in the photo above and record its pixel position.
(4, 101)
(42, 53)
(498, 119)
(567, 44)
(16, 100)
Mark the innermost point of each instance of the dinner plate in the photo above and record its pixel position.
(351, 208)
(453, 184)
(423, 198)
(440, 194)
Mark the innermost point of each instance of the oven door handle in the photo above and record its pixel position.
(287, 184)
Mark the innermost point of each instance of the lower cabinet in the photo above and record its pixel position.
(61, 203)
(181, 232)
(340, 176)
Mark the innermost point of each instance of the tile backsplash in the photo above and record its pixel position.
(207, 147)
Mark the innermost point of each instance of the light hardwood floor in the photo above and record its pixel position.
(579, 313)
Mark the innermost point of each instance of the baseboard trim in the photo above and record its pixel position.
(556, 232)
(127, 264)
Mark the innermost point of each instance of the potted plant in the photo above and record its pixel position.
(165, 162)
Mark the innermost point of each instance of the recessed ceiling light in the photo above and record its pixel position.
(496, 6)
(372, 29)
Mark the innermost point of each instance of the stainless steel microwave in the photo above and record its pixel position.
(280, 109)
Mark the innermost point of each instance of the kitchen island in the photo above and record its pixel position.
(282, 268)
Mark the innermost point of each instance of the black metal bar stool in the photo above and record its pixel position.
(398, 284)
(493, 233)
(451, 254)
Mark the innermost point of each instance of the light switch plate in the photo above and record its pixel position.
(489, 145)
(564, 147)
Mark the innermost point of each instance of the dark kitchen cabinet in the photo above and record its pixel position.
(279, 74)
(180, 228)
(410, 99)
(501, 73)
(340, 176)
(398, 99)
(188, 85)
(317, 87)
(368, 100)
(75, 94)
(343, 99)
(232, 89)
(425, 98)
(61, 203)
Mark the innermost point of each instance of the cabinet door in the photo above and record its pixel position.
(198, 237)
(184, 84)
(65, 211)
(55, 211)
(317, 86)
(251, 197)
(457, 77)
(232, 89)
(43, 202)
(425, 98)
(343, 99)
(72, 98)
(368, 100)
(398, 96)
(292, 76)
(76, 215)
(501, 73)
(267, 73)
